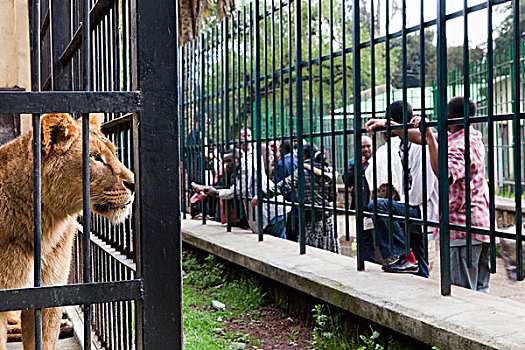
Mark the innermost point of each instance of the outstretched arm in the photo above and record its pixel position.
(432, 145)
(413, 134)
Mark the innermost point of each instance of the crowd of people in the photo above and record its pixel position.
(232, 190)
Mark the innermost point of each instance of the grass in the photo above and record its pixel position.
(209, 281)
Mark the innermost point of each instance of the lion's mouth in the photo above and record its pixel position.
(104, 208)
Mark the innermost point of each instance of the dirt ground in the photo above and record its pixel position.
(272, 328)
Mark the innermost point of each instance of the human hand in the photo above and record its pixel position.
(254, 201)
(417, 122)
(197, 188)
(374, 124)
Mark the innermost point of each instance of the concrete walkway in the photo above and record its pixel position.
(500, 284)
(405, 303)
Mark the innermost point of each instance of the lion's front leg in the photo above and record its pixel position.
(50, 328)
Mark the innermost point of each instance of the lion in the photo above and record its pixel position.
(112, 191)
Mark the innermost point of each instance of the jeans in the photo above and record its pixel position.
(398, 236)
(277, 227)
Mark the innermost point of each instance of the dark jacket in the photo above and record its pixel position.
(349, 180)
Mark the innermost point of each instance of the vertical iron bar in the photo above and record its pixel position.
(345, 122)
(388, 128)
(405, 122)
(299, 120)
(490, 113)
(159, 235)
(302, 237)
(517, 139)
(202, 105)
(356, 40)
(423, 119)
(321, 126)
(183, 68)
(226, 115)
(373, 99)
(332, 118)
(258, 116)
(466, 127)
(444, 219)
(36, 85)
(86, 58)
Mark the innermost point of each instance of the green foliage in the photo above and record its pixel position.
(326, 335)
(209, 280)
(210, 273)
(370, 341)
(505, 32)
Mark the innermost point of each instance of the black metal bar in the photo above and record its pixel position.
(444, 218)
(36, 85)
(517, 138)
(71, 294)
(159, 213)
(356, 60)
(60, 34)
(69, 102)
(490, 112)
(466, 126)
(86, 76)
(300, 124)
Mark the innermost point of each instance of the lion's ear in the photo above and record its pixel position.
(96, 120)
(58, 132)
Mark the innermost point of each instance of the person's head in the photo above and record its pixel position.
(246, 135)
(366, 146)
(456, 110)
(230, 159)
(396, 111)
(287, 146)
(313, 153)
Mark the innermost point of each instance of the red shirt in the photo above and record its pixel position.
(479, 195)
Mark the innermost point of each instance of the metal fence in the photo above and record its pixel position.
(101, 56)
(503, 95)
(273, 59)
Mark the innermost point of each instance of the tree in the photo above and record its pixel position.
(505, 32)
(193, 13)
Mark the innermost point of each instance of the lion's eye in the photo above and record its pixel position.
(97, 157)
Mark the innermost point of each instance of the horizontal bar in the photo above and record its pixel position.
(71, 294)
(72, 47)
(69, 102)
(126, 120)
(97, 13)
(115, 254)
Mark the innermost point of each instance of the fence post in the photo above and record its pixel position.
(258, 120)
(356, 39)
(299, 119)
(159, 313)
(517, 138)
(444, 231)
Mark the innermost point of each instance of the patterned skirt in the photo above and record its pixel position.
(322, 234)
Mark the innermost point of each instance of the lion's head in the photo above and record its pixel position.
(112, 185)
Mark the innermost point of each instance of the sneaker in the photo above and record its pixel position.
(401, 265)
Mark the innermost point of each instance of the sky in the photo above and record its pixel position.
(477, 21)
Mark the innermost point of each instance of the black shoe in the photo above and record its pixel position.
(401, 265)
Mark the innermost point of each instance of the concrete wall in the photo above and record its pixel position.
(15, 54)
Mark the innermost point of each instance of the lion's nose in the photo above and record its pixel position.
(130, 186)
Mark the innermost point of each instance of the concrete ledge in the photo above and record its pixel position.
(407, 304)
